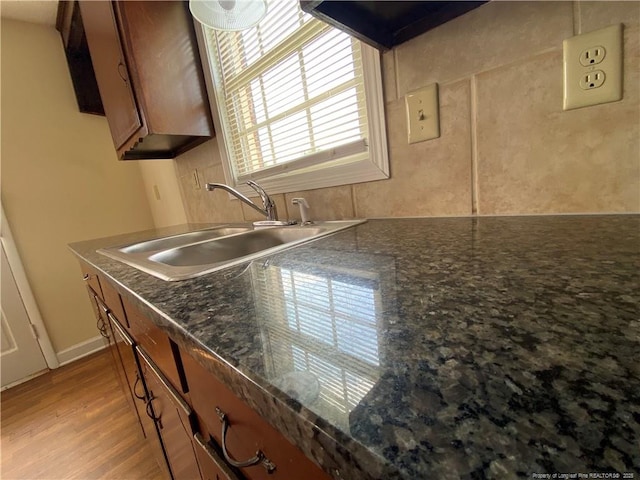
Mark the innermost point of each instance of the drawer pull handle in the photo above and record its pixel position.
(258, 458)
(86, 277)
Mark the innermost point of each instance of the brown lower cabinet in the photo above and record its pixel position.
(136, 389)
(174, 418)
(129, 374)
(103, 325)
(246, 440)
(196, 426)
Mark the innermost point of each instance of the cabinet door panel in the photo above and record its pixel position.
(127, 367)
(102, 324)
(162, 33)
(174, 418)
(131, 380)
(110, 69)
(135, 391)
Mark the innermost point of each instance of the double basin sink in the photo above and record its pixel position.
(188, 255)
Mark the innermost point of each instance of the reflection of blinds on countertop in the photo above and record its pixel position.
(324, 326)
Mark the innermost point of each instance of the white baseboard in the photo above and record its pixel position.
(81, 349)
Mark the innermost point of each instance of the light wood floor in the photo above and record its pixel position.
(73, 423)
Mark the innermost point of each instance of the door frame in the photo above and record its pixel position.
(24, 289)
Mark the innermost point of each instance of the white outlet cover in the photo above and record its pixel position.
(423, 119)
(577, 92)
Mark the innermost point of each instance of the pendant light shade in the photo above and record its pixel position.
(230, 15)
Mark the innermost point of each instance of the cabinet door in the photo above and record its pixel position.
(160, 45)
(102, 324)
(174, 419)
(123, 362)
(137, 391)
(111, 70)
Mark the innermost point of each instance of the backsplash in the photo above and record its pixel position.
(506, 145)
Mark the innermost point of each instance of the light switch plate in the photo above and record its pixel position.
(593, 68)
(423, 119)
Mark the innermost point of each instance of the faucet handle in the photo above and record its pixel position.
(304, 210)
(267, 202)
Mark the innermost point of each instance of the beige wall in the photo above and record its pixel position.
(506, 146)
(61, 181)
(163, 192)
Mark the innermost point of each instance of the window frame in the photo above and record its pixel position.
(375, 166)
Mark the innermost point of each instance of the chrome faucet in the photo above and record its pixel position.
(269, 207)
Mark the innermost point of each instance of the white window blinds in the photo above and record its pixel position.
(290, 92)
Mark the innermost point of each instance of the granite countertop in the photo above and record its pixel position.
(491, 347)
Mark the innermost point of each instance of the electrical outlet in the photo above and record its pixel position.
(592, 56)
(593, 68)
(423, 121)
(593, 79)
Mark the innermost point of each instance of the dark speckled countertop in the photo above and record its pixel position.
(491, 347)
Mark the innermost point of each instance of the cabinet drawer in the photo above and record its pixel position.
(246, 433)
(157, 344)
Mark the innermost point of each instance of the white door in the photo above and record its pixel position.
(20, 355)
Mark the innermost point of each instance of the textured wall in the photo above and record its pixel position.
(506, 145)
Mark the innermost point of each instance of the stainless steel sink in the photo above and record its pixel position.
(182, 239)
(192, 254)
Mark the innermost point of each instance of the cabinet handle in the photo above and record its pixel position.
(215, 458)
(86, 277)
(102, 327)
(258, 458)
(122, 72)
(100, 321)
(135, 386)
(150, 412)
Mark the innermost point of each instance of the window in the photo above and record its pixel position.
(297, 104)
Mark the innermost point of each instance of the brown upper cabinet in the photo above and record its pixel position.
(69, 23)
(148, 70)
